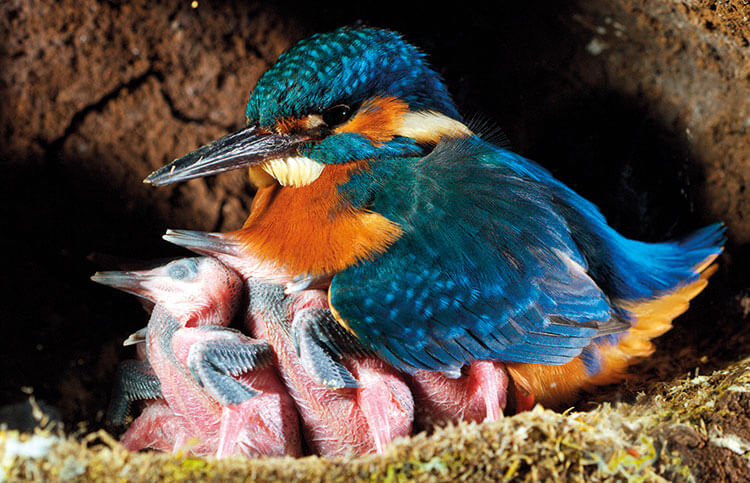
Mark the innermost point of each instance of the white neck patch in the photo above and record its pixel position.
(293, 171)
(431, 126)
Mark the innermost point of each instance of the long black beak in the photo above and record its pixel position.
(246, 147)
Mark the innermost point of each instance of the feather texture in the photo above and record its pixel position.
(486, 268)
(500, 261)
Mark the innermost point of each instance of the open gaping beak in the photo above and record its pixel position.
(246, 147)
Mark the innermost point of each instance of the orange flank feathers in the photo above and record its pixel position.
(310, 230)
(654, 318)
(377, 119)
(555, 384)
(549, 384)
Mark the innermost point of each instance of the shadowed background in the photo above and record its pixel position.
(642, 107)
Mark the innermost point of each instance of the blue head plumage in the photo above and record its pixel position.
(357, 93)
(347, 66)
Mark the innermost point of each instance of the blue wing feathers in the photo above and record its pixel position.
(498, 260)
(626, 269)
(592, 360)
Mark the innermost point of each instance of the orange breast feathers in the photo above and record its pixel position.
(311, 230)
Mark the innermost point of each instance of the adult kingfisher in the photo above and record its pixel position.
(441, 249)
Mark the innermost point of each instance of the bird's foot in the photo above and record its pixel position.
(157, 428)
(491, 385)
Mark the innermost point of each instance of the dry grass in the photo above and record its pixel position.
(642, 441)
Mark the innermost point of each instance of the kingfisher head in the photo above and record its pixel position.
(354, 94)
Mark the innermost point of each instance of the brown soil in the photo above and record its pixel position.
(643, 107)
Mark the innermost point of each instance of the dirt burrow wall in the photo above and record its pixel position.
(643, 107)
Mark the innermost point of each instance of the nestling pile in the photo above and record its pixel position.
(396, 271)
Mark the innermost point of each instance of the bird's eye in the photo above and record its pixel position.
(185, 269)
(338, 114)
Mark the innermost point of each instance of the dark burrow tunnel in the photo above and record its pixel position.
(643, 109)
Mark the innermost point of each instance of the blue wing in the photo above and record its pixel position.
(486, 268)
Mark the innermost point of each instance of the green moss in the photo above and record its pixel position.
(613, 442)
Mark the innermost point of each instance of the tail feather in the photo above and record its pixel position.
(643, 271)
(651, 316)
(705, 244)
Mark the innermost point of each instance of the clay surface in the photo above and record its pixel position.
(643, 107)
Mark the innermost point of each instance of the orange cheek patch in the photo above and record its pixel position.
(377, 119)
(289, 125)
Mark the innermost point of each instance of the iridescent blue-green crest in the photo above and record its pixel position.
(347, 66)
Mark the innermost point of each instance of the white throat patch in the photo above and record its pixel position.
(294, 171)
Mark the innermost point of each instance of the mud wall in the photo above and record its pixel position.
(643, 107)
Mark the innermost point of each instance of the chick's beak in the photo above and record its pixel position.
(131, 282)
(246, 147)
(205, 243)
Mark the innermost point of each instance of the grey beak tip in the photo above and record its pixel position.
(153, 178)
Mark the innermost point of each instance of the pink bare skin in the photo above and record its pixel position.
(343, 421)
(478, 395)
(264, 424)
(188, 417)
(157, 427)
(335, 422)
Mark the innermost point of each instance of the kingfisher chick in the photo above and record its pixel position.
(350, 402)
(441, 248)
(206, 382)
